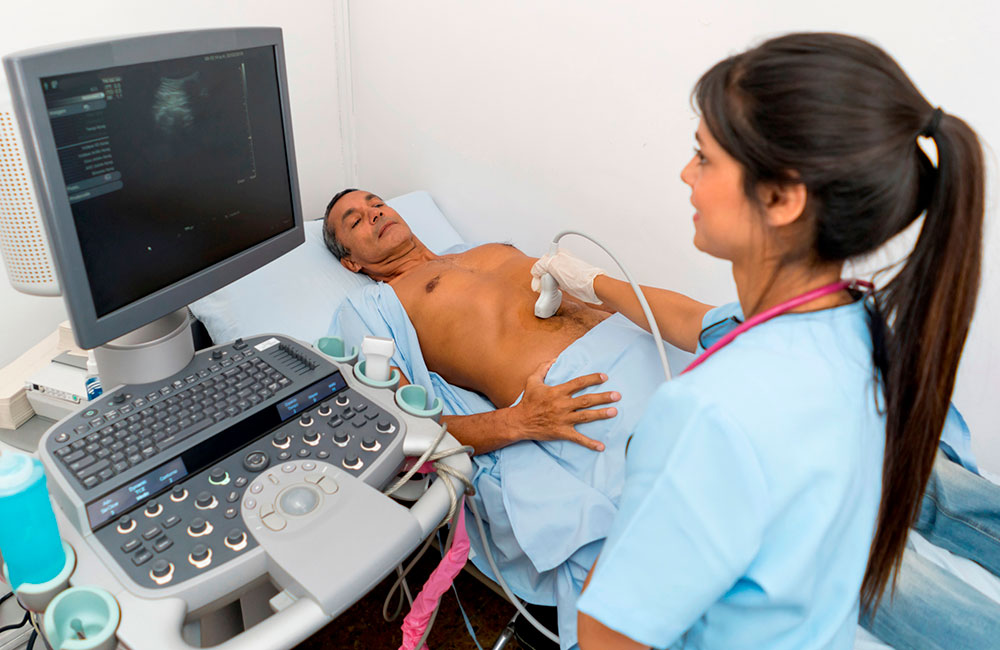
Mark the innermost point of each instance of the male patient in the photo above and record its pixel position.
(548, 491)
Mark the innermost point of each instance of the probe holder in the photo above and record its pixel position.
(90, 612)
(335, 348)
(412, 398)
(390, 383)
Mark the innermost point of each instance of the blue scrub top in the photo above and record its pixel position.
(751, 493)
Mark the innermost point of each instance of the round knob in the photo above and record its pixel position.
(256, 461)
(369, 443)
(311, 437)
(351, 461)
(120, 398)
(198, 525)
(324, 409)
(235, 537)
(216, 355)
(153, 508)
(280, 439)
(218, 476)
(161, 569)
(305, 420)
(199, 553)
(383, 426)
(204, 500)
(125, 524)
(178, 493)
(342, 400)
(340, 437)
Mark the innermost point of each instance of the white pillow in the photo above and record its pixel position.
(297, 293)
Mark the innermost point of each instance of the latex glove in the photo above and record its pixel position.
(574, 276)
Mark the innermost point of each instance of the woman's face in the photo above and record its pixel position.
(724, 221)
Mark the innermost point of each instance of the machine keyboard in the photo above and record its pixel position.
(136, 429)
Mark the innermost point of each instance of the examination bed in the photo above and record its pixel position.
(298, 293)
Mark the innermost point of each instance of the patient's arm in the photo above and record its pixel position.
(678, 317)
(544, 413)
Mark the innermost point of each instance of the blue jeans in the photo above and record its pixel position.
(933, 609)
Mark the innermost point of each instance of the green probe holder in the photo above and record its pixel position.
(412, 398)
(36, 597)
(91, 611)
(335, 348)
(390, 383)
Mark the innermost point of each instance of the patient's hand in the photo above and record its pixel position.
(551, 412)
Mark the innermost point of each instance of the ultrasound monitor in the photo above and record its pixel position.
(164, 168)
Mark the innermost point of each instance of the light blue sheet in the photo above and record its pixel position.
(547, 505)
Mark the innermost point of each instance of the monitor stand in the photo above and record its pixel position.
(147, 354)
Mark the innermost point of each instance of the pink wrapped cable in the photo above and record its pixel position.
(439, 582)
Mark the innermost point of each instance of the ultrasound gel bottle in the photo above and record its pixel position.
(29, 537)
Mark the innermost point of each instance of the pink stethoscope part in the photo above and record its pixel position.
(778, 310)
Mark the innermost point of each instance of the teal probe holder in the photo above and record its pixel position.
(36, 597)
(83, 618)
(335, 348)
(412, 398)
(390, 383)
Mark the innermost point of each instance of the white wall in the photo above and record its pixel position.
(310, 50)
(526, 117)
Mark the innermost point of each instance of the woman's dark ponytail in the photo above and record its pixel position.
(928, 306)
(837, 114)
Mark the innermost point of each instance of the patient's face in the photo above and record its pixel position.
(371, 231)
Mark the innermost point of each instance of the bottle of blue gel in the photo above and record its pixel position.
(29, 538)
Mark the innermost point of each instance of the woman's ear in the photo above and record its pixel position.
(784, 203)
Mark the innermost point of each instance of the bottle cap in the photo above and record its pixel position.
(15, 471)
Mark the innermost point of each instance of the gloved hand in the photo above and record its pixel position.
(574, 276)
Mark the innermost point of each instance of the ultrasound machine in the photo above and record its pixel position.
(249, 472)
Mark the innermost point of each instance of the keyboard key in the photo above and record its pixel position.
(142, 557)
(120, 466)
(82, 463)
(135, 459)
(152, 532)
(106, 473)
(162, 544)
(90, 482)
(131, 545)
(93, 469)
(73, 457)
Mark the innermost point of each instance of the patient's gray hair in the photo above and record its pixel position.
(329, 236)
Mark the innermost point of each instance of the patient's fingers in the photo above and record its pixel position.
(580, 439)
(592, 399)
(586, 381)
(538, 376)
(594, 414)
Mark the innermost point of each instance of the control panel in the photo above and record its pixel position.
(170, 478)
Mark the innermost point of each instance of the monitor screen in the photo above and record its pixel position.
(164, 167)
(170, 166)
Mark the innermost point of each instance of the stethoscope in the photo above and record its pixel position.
(778, 310)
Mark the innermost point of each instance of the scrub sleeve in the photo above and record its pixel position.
(691, 521)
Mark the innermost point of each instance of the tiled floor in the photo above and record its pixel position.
(362, 627)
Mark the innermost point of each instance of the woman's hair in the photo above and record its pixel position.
(837, 114)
